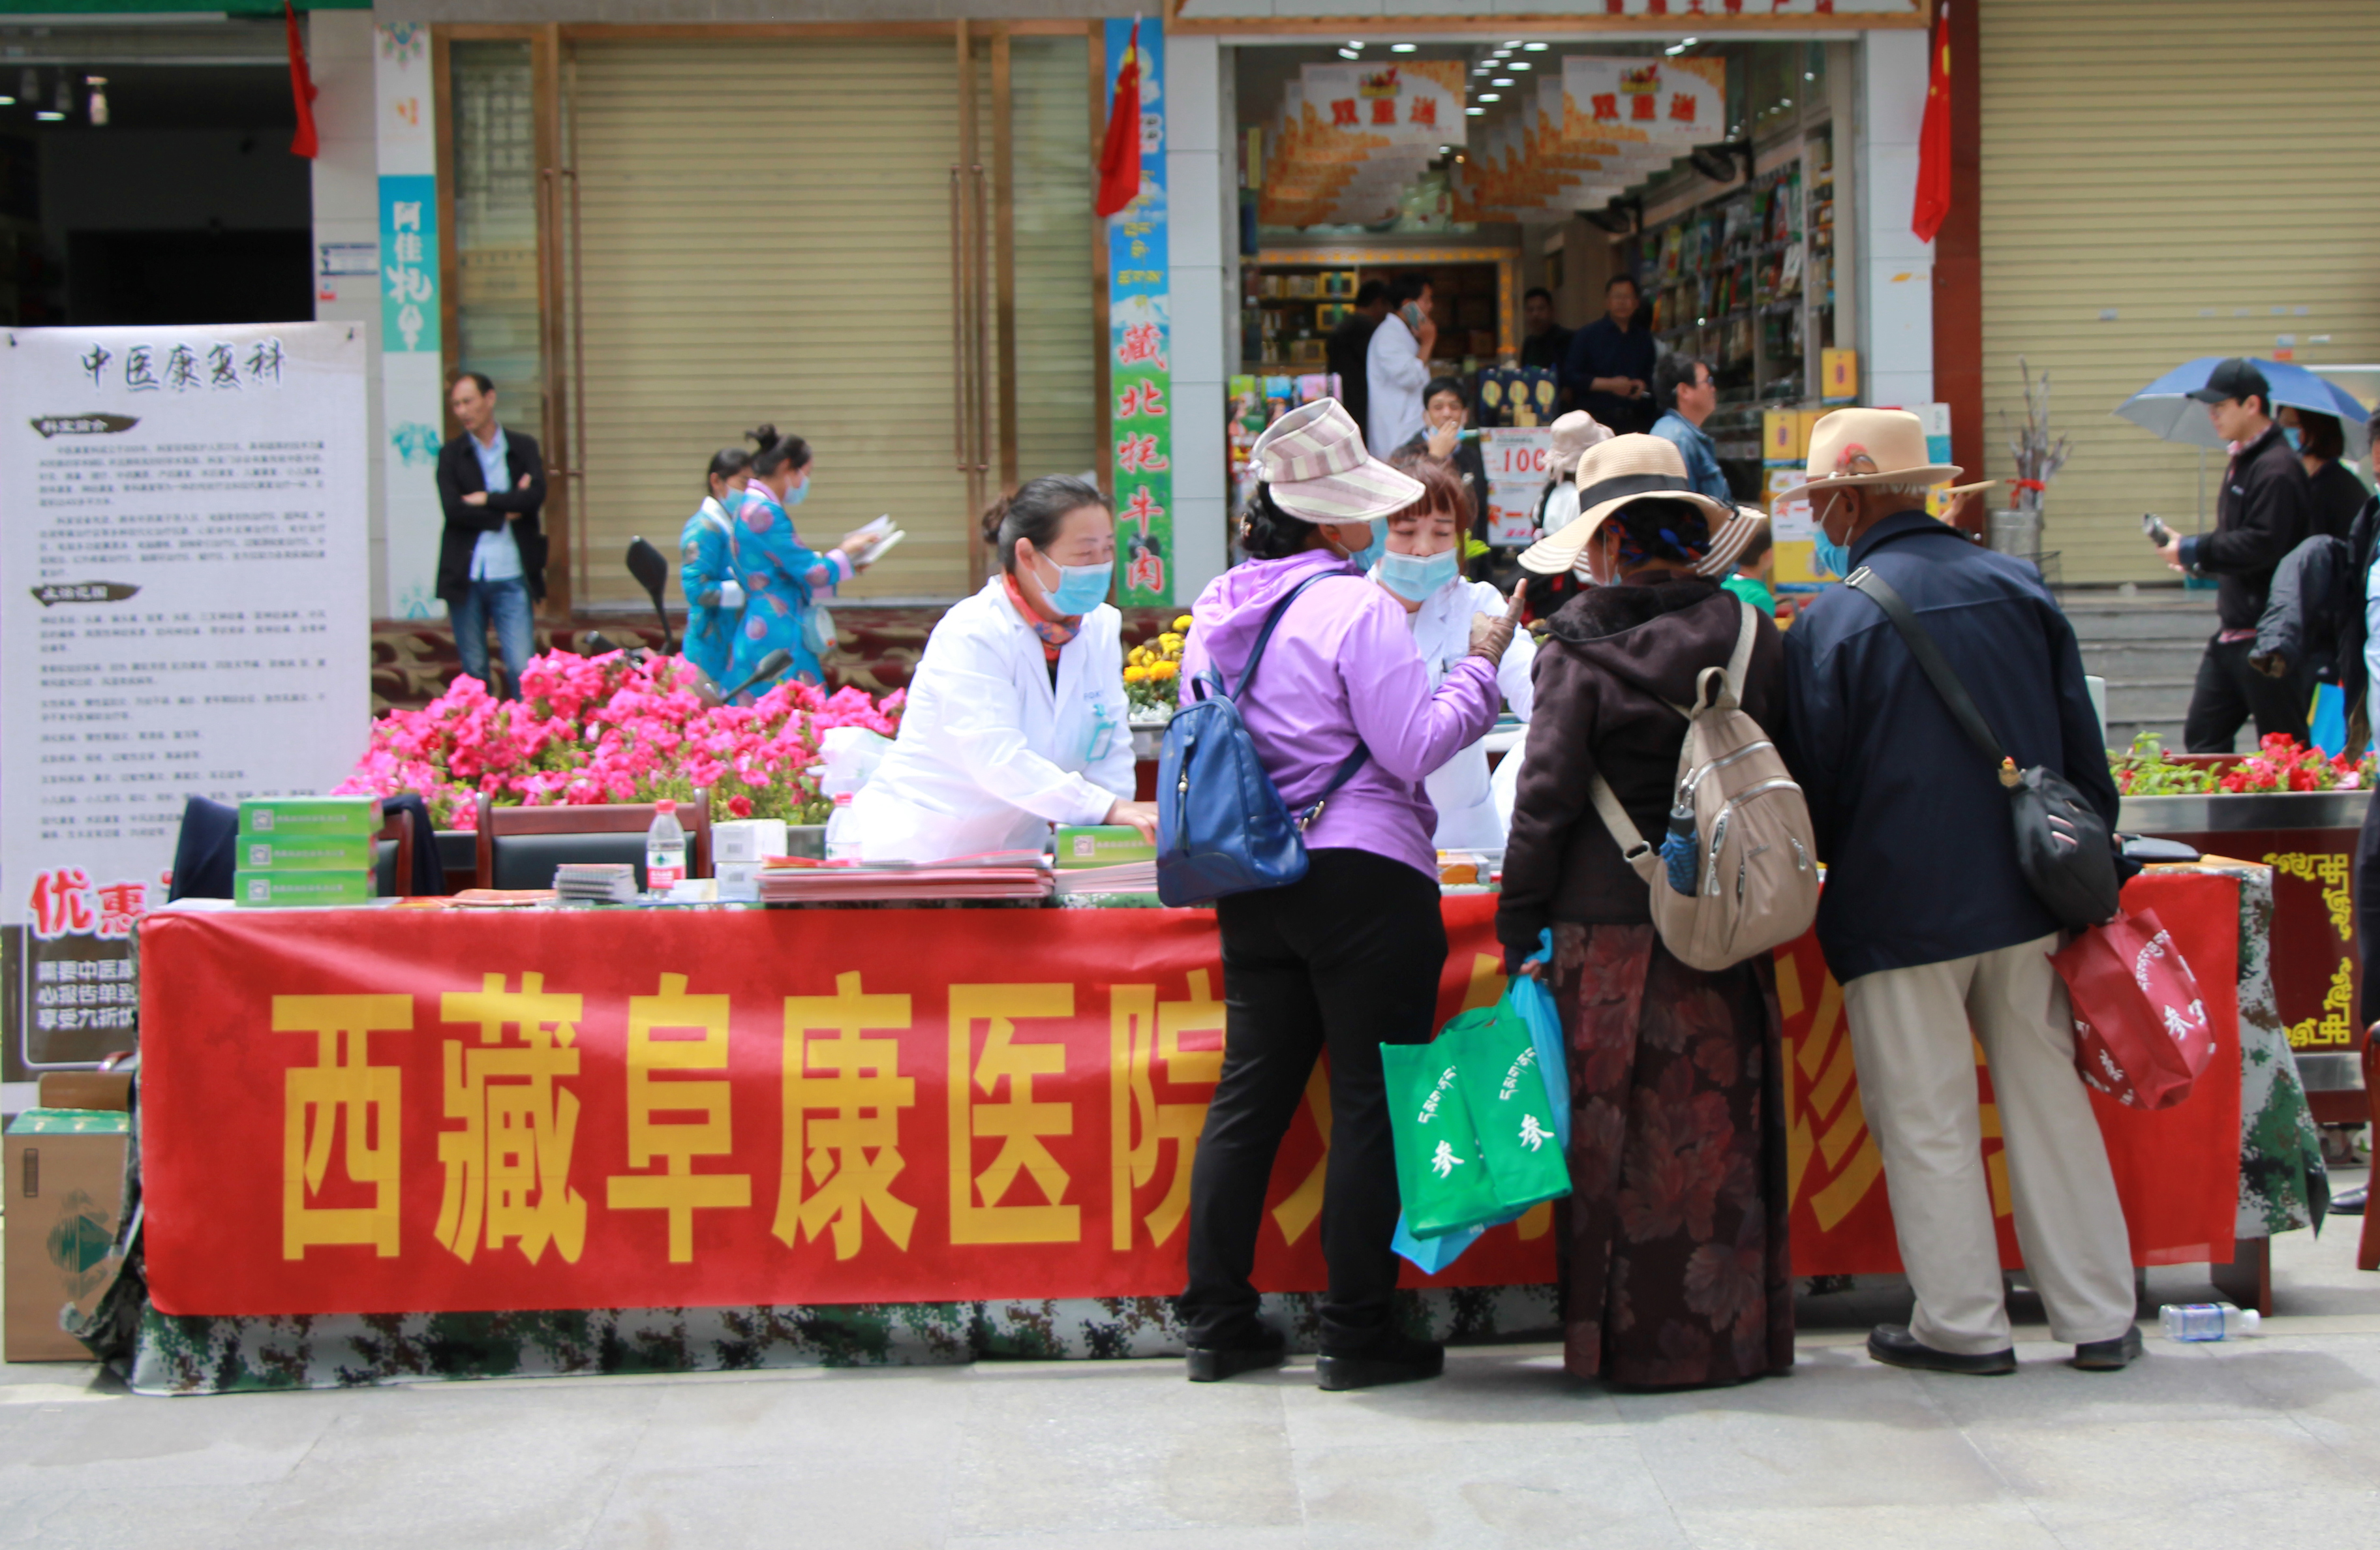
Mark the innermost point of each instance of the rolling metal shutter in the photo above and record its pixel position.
(767, 238)
(2164, 180)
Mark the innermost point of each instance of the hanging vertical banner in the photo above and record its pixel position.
(412, 346)
(183, 607)
(1140, 337)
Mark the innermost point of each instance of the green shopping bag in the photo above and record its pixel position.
(1439, 1174)
(1496, 1061)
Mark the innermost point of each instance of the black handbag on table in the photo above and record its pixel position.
(2063, 846)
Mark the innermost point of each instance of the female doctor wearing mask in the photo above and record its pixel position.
(1016, 712)
(1421, 567)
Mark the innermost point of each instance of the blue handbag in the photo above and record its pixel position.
(1222, 825)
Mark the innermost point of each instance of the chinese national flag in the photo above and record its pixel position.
(301, 86)
(1933, 205)
(1119, 156)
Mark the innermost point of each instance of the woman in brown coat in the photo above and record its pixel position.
(1676, 1266)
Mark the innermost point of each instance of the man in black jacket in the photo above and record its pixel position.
(2262, 514)
(1928, 920)
(491, 558)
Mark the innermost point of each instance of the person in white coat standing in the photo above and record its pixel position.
(1422, 568)
(1016, 713)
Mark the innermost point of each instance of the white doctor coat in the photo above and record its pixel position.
(1459, 788)
(989, 754)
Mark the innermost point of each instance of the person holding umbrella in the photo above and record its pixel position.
(2264, 510)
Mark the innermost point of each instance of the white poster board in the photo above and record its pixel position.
(1517, 459)
(183, 612)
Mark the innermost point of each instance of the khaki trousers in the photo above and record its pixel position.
(1909, 1033)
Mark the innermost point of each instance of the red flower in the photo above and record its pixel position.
(739, 806)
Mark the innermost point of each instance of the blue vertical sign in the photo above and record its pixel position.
(409, 264)
(1140, 338)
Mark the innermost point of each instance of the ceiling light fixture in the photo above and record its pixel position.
(1674, 50)
(1349, 53)
(1401, 48)
(1518, 65)
(1533, 48)
(1511, 44)
(1809, 75)
(46, 116)
(1474, 113)
(1491, 96)
(1355, 43)
(1502, 81)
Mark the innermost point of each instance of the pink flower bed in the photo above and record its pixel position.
(604, 729)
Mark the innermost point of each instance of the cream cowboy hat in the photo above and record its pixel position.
(1727, 541)
(1612, 475)
(1314, 461)
(1854, 447)
(1573, 433)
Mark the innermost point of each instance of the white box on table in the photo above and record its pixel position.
(746, 840)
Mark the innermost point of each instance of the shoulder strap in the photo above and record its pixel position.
(1352, 762)
(1739, 665)
(1615, 817)
(1264, 636)
(1929, 658)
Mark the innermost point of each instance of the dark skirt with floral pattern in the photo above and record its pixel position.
(1677, 1268)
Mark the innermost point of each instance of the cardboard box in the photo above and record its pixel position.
(281, 889)
(64, 1171)
(1838, 376)
(1784, 437)
(739, 882)
(746, 840)
(1101, 844)
(310, 815)
(304, 852)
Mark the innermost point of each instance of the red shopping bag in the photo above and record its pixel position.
(2141, 1032)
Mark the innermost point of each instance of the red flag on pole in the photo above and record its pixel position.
(1933, 204)
(1120, 154)
(301, 86)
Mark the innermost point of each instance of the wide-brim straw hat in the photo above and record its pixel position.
(1314, 461)
(1573, 433)
(1728, 540)
(1854, 447)
(1613, 476)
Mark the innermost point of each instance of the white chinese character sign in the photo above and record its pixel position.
(183, 607)
(1140, 372)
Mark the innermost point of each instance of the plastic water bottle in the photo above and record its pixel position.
(2206, 1321)
(843, 831)
(664, 849)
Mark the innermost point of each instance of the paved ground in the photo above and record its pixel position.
(2261, 1442)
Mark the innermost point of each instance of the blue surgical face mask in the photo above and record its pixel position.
(1415, 577)
(799, 492)
(1831, 556)
(1362, 559)
(1080, 589)
(2289, 434)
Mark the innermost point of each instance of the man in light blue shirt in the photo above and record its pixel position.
(1683, 388)
(491, 559)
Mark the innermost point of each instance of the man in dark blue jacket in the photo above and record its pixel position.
(1928, 920)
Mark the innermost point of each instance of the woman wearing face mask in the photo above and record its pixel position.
(2320, 445)
(1421, 569)
(706, 551)
(1678, 1274)
(781, 580)
(1349, 956)
(1016, 712)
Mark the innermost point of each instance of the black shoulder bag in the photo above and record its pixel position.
(2062, 845)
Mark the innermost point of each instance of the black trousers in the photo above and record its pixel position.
(1345, 958)
(2229, 692)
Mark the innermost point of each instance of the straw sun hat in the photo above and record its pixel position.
(1314, 461)
(1613, 475)
(1854, 447)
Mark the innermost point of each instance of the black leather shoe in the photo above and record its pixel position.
(1398, 1359)
(2350, 1203)
(1893, 1345)
(1214, 1364)
(2109, 1356)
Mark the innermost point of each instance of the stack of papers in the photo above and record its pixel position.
(886, 537)
(596, 882)
(1010, 875)
(1130, 876)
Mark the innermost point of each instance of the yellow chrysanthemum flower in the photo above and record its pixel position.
(1135, 674)
(1183, 623)
(1162, 670)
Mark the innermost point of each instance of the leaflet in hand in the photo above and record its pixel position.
(886, 535)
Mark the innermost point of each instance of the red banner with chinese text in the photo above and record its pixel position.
(386, 1111)
(2177, 1170)
(399, 1112)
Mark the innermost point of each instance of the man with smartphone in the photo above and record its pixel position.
(1396, 365)
(2260, 515)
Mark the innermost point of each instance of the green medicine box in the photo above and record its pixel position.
(304, 853)
(281, 889)
(280, 816)
(1101, 844)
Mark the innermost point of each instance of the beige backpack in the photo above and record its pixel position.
(1756, 865)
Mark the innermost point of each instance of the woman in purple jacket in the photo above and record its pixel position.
(1348, 957)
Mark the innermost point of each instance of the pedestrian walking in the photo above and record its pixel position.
(2334, 493)
(1678, 1269)
(1928, 920)
(705, 552)
(2265, 510)
(491, 555)
(1349, 957)
(782, 580)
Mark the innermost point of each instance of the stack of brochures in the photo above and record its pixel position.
(595, 883)
(997, 875)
